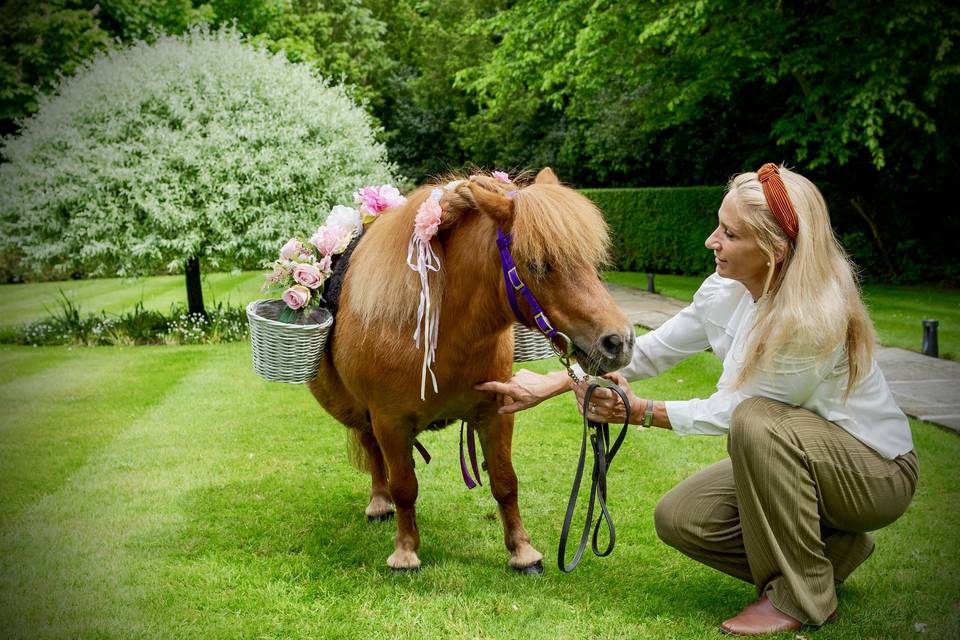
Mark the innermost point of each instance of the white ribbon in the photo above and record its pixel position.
(428, 317)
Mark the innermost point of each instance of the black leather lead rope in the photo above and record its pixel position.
(603, 455)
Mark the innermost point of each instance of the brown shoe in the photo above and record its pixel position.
(761, 618)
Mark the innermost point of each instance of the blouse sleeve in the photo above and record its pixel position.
(676, 339)
(791, 379)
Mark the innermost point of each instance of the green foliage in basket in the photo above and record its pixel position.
(660, 230)
(195, 147)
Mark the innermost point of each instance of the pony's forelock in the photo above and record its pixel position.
(557, 226)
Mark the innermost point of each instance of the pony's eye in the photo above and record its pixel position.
(539, 269)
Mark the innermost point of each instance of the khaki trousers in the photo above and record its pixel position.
(789, 510)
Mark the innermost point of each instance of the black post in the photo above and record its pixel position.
(930, 347)
(194, 288)
(650, 283)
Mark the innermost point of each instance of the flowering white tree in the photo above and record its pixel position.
(196, 149)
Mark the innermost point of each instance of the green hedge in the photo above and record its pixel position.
(660, 230)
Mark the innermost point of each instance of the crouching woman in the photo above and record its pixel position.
(819, 453)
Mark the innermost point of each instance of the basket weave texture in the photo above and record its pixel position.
(530, 345)
(284, 352)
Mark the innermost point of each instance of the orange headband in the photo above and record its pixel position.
(778, 199)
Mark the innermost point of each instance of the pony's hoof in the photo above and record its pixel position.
(403, 561)
(401, 570)
(383, 517)
(535, 569)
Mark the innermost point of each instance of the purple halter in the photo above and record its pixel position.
(514, 285)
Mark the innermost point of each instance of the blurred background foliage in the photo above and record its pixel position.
(859, 96)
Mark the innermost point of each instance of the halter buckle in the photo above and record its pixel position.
(543, 323)
(515, 280)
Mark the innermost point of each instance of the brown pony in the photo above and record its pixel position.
(370, 377)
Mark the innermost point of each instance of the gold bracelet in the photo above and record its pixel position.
(648, 415)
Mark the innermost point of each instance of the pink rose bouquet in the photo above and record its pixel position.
(298, 275)
(303, 267)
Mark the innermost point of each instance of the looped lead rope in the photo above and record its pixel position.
(603, 454)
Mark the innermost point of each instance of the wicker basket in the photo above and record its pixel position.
(530, 345)
(284, 352)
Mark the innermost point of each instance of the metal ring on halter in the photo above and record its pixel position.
(568, 349)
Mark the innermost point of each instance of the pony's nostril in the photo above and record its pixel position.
(612, 345)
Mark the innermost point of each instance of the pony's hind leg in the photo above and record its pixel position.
(381, 506)
(496, 437)
(395, 441)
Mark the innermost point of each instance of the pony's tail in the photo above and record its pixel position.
(356, 452)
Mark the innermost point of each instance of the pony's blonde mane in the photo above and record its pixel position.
(381, 285)
(554, 228)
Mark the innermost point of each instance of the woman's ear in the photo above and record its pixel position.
(780, 252)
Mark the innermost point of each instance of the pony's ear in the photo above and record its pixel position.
(546, 176)
(470, 196)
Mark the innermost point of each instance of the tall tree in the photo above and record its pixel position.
(194, 150)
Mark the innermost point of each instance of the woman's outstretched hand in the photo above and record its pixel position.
(527, 389)
(605, 405)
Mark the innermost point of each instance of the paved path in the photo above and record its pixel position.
(924, 387)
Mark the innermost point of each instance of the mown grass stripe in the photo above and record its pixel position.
(75, 582)
(69, 406)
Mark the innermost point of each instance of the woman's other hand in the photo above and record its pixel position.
(606, 405)
(527, 389)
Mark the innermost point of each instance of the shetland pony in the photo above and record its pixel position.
(370, 379)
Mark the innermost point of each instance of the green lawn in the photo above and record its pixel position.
(897, 311)
(21, 303)
(167, 492)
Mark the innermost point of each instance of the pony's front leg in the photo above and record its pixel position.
(496, 439)
(380, 507)
(395, 441)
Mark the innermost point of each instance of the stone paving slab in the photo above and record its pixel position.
(924, 387)
(649, 310)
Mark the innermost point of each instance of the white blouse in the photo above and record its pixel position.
(720, 318)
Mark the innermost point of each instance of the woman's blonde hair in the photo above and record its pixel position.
(811, 302)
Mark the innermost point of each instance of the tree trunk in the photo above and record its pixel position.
(194, 288)
(858, 206)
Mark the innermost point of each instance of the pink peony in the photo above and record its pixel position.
(308, 275)
(375, 200)
(291, 249)
(501, 176)
(331, 239)
(428, 217)
(296, 296)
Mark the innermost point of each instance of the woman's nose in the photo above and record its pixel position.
(711, 242)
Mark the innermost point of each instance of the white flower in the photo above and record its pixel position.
(347, 217)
